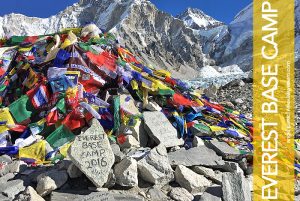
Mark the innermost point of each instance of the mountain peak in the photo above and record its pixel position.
(197, 19)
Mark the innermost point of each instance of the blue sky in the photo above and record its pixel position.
(223, 10)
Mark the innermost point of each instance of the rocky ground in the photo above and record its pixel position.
(239, 93)
(109, 170)
(98, 168)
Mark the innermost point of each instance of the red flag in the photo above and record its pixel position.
(127, 56)
(52, 117)
(74, 120)
(105, 59)
(18, 128)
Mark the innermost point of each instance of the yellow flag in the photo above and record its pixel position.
(36, 151)
(64, 149)
(217, 128)
(5, 116)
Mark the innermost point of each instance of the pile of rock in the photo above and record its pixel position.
(100, 169)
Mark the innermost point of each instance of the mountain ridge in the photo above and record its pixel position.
(179, 45)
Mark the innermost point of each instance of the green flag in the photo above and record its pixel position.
(116, 112)
(21, 109)
(60, 136)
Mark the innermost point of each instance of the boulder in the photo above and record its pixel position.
(126, 172)
(29, 195)
(232, 167)
(192, 157)
(209, 197)
(155, 168)
(5, 159)
(156, 194)
(197, 142)
(209, 173)
(92, 154)
(129, 143)
(191, 181)
(181, 194)
(117, 152)
(50, 181)
(211, 91)
(137, 131)
(223, 149)
(12, 188)
(111, 181)
(153, 106)
(73, 171)
(128, 105)
(235, 187)
(160, 129)
(9, 166)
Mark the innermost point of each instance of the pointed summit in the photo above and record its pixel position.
(197, 19)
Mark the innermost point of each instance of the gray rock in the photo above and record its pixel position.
(49, 181)
(130, 142)
(197, 142)
(126, 172)
(6, 177)
(209, 173)
(223, 149)
(211, 91)
(74, 171)
(160, 129)
(239, 101)
(192, 157)
(209, 197)
(29, 195)
(117, 152)
(92, 154)
(155, 168)
(96, 196)
(9, 166)
(5, 159)
(107, 196)
(244, 166)
(172, 149)
(156, 194)
(191, 181)
(86, 195)
(137, 131)
(4, 198)
(111, 181)
(12, 188)
(64, 164)
(153, 106)
(14, 167)
(181, 194)
(235, 187)
(126, 197)
(232, 167)
(138, 153)
(249, 179)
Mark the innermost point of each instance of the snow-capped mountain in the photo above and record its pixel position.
(197, 19)
(155, 36)
(182, 44)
